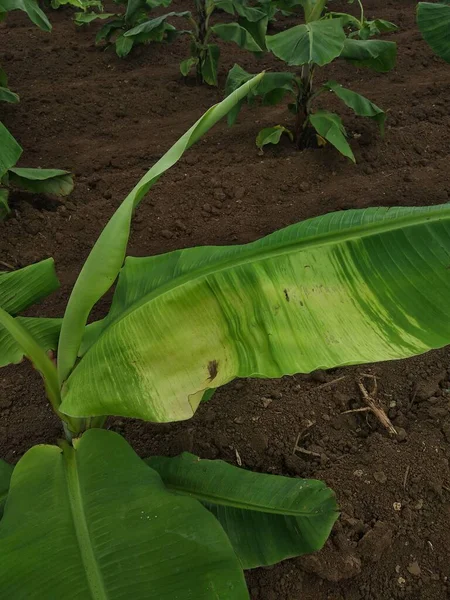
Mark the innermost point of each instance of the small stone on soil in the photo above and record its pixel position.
(401, 434)
(380, 476)
(266, 402)
(414, 569)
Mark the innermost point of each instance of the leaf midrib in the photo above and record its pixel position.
(323, 239)
(231, 503)
(94, 577)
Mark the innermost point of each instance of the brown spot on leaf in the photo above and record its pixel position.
(213, 369)
(286, 295)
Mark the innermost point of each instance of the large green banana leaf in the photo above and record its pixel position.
(433, 20)
(106, 257)
(233, 32)
(94, 522)
(267, 518)
(5, 477)
(318, 42)
(350, 287)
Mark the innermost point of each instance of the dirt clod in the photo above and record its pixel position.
(376, 541)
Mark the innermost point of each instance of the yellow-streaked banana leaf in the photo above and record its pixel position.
(94, 522)
(345, 288)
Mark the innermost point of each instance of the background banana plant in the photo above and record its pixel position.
(48, 181)
(433, 20)
(132, 27)
(248, 32)
(42, 181)
(324, 37)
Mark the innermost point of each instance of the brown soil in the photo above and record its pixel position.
(108, 120)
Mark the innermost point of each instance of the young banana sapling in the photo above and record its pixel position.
(323, 38)
(88, 518)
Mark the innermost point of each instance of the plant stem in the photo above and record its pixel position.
(36, 354)
(202, 30)
(304, 98)
(362, 12)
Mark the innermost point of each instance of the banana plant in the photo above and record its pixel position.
(433, 20)
(87, 518)
(361, 27)
(39, 18)
(248, 32)
(42, 181)
(133, 27)
(322, 39)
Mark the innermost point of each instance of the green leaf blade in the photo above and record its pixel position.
(271, 135)
(44, 331)
(374, 54)
(124, 45)
(360, 105)
(84, 18)
(42, 181)
(268, 518)
(433, 20)
(24, 287)
(329, 126)
(31, 7)
(5, 478)
(95, 522)
(19, 290)
(233, 32)
(6, 95)
(210, 64)
(10, 151)
(149, 26)
(318, 43)
(187, 65)
(4, 206)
